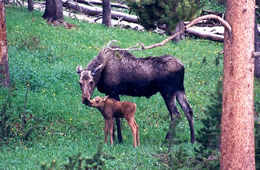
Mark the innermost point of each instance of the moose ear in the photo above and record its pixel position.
(79, 69)
(97, 69)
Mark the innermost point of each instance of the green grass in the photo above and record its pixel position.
(44, 58)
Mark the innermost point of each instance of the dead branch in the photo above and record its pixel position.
(98, 18)
(208, 17)
(193, 22)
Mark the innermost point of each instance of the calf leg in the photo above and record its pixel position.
(137, 133)
(110, 128)
(134, 129)
(106, 130)
(181, 98)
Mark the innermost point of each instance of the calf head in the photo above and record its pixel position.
(98, 101)
(87, 82)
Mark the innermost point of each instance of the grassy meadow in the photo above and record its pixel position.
(47, 122)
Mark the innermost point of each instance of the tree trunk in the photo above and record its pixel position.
(106, 12)
(30, 5)
(4, 69)
(53, 10)
(237, 133)
(257, 49)
(180, 26)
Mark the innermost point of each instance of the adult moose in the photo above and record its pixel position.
(121, 73)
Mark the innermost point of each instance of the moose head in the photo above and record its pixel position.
(87, 82)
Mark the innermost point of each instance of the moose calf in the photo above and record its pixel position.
(111, 108)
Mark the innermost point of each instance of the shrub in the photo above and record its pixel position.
(209, 139)
(153, 13)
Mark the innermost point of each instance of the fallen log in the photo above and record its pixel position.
(193, 22)
(95, 11)
(205, 34)
(215, 33)
(97, 2)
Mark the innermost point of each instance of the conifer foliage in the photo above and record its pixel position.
(257, 144)
(209, 135)
(153, 13)
(257, 134)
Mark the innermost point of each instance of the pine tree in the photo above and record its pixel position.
(257, 144)
(257, 134)
(153, 13)
(209, 138)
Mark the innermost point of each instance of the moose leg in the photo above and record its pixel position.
(170, 101)
(118, 122)
(182, 100)
(119, 133)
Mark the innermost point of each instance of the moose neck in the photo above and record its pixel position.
(96, 67)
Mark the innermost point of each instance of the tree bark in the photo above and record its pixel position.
(106, 12)
(4, 69)
(180, 26)
(257, 49)
(30, 5)
(237, 133)
(53, 10)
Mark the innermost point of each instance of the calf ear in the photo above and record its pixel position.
(79, 69)
(105, 98)
(97, 69)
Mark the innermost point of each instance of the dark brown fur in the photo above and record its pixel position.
(121, 73)
(110, 109)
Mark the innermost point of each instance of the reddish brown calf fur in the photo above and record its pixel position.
(110, 109)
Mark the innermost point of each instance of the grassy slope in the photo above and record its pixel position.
(46, 57)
